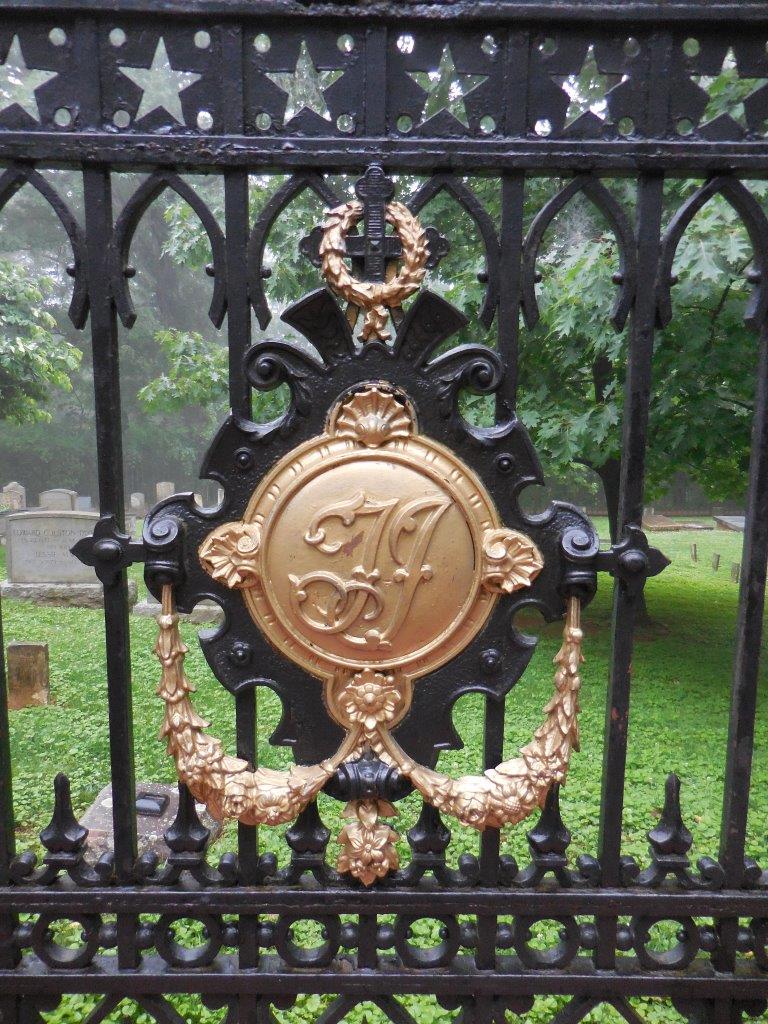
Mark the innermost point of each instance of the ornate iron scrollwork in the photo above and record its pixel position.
(372, 557)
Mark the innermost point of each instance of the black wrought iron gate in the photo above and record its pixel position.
(309, 91)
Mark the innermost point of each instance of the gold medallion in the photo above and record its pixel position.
(370, 546)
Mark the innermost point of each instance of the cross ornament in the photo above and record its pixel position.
(374, 246)
(373, 249)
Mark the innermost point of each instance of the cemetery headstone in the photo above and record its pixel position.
(715, 561)
(694, 553)
(41, 566)
(198, 498)
(83, 503)
(150, 826)
(220, 496)
(164, 489)
(137, 503)
(58, 499)
(14, 496)
(28, 675)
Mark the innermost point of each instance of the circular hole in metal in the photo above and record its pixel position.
(262, 42)
(487, 124)
(626, 126)
(62, 117)
(665, 943)
(543, 127)
(406, 43)
(188, 941)
(547, 46)
(57, 36)
(631, 47)
(117, 37)
(546, 942)
(684, 126)
(314, 943)
(404, 123)
(121, 118)
(345, 123)
(263, 121)
(426, 942)
(66, 941)
(345, 43)
(205, 120)
(691, 47)
(202, 39)
(489, 46)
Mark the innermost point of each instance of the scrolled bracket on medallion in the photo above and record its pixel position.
(510, 561)
(230, 554)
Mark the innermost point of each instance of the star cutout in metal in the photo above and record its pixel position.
(18, 83)
(446, 88)
(730, 99)
(587, 89)
(161, 85)
(305, 86)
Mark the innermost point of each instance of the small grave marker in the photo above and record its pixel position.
(694, 553)
(156, 807)
(164, 489)
(715, 561)
(59, 499)
(735, 571)
(28, 675)
(14, 496)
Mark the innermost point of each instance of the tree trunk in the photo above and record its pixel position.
(610, 475)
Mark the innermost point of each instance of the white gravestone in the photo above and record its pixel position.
(83, 503)
(14, 496)
(136, 502)
(41, 566)
(58, 499)
(164, 489)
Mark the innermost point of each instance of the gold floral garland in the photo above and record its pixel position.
(373, 296)
(228, 786)
(368, 704)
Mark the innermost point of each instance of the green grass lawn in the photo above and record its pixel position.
(679, 720)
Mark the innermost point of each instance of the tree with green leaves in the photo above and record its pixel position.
(34, 358)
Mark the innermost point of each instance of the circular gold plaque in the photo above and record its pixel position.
(370, 546)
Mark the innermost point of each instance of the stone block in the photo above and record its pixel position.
(14, 496)
(39, 546)
(150, 828)
(28, 675)
(59, 499)
(164, 489)
(63, 595)
(205, 612)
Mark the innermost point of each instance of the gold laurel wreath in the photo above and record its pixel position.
(231, 788)
(373, 296)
